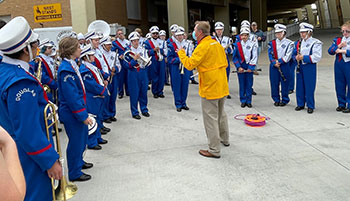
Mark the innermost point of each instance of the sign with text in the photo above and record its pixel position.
(47, 13)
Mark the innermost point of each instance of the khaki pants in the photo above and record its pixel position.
(215, 123)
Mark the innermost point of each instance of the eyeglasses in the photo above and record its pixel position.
(155, 33)
(345, 31)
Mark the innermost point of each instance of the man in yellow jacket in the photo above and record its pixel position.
(210, 60)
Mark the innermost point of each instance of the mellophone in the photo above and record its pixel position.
(142, 61)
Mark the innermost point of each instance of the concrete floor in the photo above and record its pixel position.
(296, 156)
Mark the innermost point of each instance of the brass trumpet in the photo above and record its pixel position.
(64, 190)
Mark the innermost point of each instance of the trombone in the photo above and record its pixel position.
(64, 190)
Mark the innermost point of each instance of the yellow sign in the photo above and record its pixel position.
(47, 13)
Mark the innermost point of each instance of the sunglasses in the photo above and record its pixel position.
(345, 31)
(155, 33)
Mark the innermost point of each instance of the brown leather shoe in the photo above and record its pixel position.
(206, 153)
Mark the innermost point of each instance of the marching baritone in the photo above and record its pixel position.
(226, 43)
(73, 109)
(22, 104)
(307, 53)
(341, 48)
(280, 53)
(96, 92)
(137, 76)
(180, 76)
(245, 58)
(157, 68)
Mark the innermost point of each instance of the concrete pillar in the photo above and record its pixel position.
(323, 12)
(310, 15)
(345, 7)
(300, 14)
(332, 5)
(177, 13)
(259, 13)
(83, 13)
(222, 14)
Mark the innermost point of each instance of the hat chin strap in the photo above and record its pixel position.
(30, 52)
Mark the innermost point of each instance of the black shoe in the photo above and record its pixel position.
(228, 97)
(254, 93)
(103, 141)
(283, 104)
(243, 105)
(185, 108)
(167, 84)
(146, 114)
(225, 144)
(149, 88)
(310, 111)
(59, 130)
(178, 109)
(120, 96)
(290, 91)
(298, 108)
(249, 105)
(113, 119)
(161, 96)
(347, 110)
(103, 132)
(155, 96)
(276, 104)
(106, 129)
(107, 121)
(127, 94)
(194, 82)
(138, 117)
(87, 165)
(83, 177)
(97, 147)
(339, 109)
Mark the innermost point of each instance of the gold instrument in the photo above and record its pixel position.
(39, 74)
(64, 190)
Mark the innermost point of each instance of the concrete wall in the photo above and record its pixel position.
(25, 8)
(177, 13)
(83, 13)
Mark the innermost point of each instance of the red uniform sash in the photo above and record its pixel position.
(274, 47)
(152, 46)
(240, 50)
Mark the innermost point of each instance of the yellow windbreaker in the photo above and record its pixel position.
(210, 60)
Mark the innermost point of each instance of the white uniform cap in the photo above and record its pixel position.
(305, 27)
(245, 23)
(80, 36)
(92, 127)
(87, 50)
(100, 34)
(154, 29)
(219, 25)
(134, 36)
(245, 30)
(280, 28)
(106, 40)
(179, 31)
(16, 35)
(46, 42)
(173, 27)
(234, 30)
(162, 33)
(91, 35)
(148, 36)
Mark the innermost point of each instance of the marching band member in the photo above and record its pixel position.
(280, 53)
(307, 52)
(112, 61)
(137, 77)
(179, 75)
(96, 91)
(341, 48)
(157, 68)
(192, 46)
(173, 29)
(72, 109)
(245, 58)
(22, 104)
(162, 36)
(121, 45)
(226, 43)
(148, 36)
(81, 40)
(49, 72)
(142, 39)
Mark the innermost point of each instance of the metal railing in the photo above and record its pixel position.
(270, 35)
